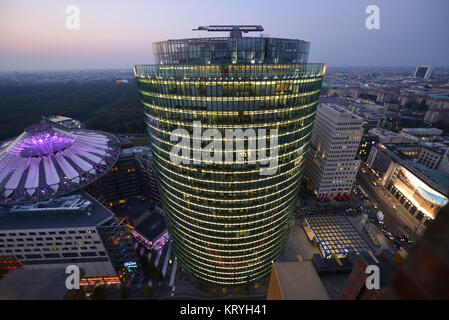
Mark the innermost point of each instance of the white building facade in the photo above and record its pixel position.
(331, 164)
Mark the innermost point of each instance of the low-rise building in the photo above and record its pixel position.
(69, 230)
(295, 280)
(386, 136)
(63, 122)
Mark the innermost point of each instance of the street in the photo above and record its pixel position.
(399, 221)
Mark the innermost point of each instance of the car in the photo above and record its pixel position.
(400, 237)
(397, 244)
(406, 239)
(389, 235)
(384, 230)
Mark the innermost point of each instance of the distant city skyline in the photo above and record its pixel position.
(117, 35)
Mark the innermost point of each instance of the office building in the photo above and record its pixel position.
(228, 222)
(386, 136)
(366, 143)
(438, 110)
(331, 165)
(67, 230)
(423, 132)
(131, 176)
(423, 72)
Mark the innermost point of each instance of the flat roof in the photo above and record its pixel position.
(299, 281)
(152, 226)
(439, 177)
(435, 179)
(99, 214)
(58, 118)
(135, 207)
(336, 235)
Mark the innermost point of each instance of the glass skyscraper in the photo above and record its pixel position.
(228, 223)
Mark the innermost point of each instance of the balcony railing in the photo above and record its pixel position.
(230, 72)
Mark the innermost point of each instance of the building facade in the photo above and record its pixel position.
(228, 223)
(423, 72)
(71, 230)
(421, 190)
(331, 165)
(131, 176)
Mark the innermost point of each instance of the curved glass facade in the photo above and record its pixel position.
(228, 223)
(231, 50)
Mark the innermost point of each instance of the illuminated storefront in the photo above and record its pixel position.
(228, 223)
(418, 194)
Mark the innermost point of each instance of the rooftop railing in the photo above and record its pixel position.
(230, 72)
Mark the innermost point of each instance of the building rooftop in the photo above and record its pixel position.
(336, 235)
(58, 118)
(135, 208)
(152, 227)
(439, 177)
(299, 281)
(435, 179)
(79, 210)
(47, 161)
(231, 50)
(343, 111)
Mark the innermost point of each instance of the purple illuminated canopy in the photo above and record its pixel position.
(45, 161)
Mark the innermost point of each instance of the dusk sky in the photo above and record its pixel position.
(119, 34)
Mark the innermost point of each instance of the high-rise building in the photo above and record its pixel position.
(331, 165)
(131, 176)
(229, 221)
(423, 72)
